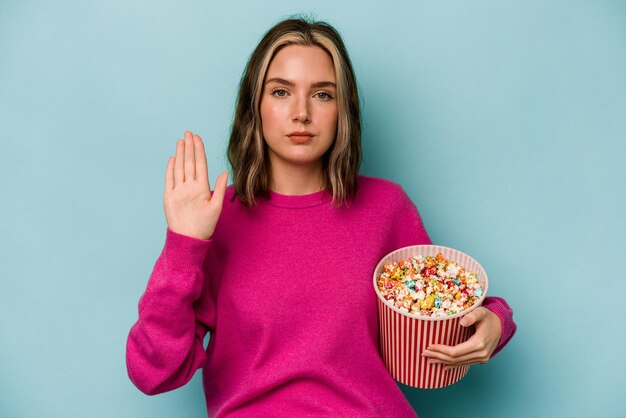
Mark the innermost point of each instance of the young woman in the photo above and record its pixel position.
(278, 266)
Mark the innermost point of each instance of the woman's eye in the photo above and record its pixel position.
(282, 93)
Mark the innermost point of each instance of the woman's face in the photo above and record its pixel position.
(299, 95)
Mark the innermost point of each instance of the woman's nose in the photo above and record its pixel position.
(301, 111)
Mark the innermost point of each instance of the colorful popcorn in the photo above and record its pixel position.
(429, 286)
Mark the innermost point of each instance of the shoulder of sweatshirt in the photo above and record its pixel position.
(383, 194)
(382, 187)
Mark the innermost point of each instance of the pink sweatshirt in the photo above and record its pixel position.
(285, 290)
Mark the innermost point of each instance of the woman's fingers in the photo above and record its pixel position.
(220, 189)
(202, 172)
(470, 350)
(190, 158)
(474, 356)
(189, 164)
(179, 173)
(458, 350)
(169, 174)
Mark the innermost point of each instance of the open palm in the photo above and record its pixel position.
(190, 207)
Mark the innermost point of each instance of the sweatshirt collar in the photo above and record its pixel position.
(299, 201)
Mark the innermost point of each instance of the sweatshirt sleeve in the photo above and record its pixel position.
(165, 346)
(408, 229)
(499, 306)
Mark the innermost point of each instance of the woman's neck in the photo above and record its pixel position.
(295, 181)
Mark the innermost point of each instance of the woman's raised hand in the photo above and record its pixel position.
(190, 209)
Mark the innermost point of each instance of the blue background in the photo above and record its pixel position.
(504, 121)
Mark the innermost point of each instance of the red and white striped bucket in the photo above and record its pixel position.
(404, 336)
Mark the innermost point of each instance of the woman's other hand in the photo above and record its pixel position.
(477, 349)
(190, 209)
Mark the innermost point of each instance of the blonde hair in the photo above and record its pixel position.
(247, 150)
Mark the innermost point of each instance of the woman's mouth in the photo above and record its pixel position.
(301, 139)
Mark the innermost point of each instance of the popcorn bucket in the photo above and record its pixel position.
(405, 336)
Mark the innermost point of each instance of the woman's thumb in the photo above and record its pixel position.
(471, 317)
(220, 187)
